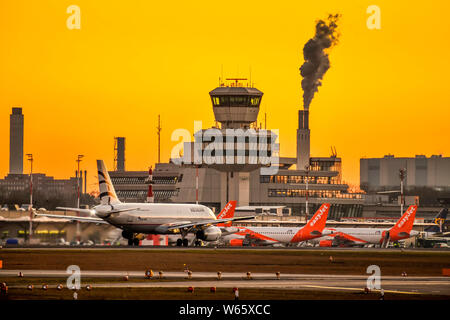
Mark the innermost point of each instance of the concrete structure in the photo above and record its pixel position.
(15, 224)
(15, 186)
(130, 186)
(119, 156)
(377, 174)
(16, 121)
(303, 140)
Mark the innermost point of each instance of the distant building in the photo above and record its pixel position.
(17, 186)
(379, 174)
(16, 141)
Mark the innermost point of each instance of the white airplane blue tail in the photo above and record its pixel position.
(107, 193)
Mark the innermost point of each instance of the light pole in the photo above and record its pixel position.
(307, 191)
(402, 198)
(80, 156)
(30, 231)
(196, 184)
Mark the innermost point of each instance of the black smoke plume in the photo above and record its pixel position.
(316, 57)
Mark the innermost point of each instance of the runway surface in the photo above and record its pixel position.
(211, 248)
(406, 285)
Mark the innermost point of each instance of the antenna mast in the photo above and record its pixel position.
(158, 130)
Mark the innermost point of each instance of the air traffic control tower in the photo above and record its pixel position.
(237, 146)
(235, 106)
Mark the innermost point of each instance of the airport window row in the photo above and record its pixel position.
(312, 193)
(299, 179)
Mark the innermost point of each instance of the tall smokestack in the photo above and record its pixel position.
(120, 154)
(303, 140)
(16, 141)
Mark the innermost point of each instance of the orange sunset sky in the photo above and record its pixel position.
(386, 91)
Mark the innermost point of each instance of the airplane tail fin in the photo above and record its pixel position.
(439, 221)
(107, 193)
(314, 227)
(318, 220)
(404, 225)
(227, 212)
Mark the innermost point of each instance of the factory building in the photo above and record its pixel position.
(379, 174)
(17, 186)
(235, 169)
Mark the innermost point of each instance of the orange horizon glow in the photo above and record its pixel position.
(385, 93)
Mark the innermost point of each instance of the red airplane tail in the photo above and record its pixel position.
(403, 227)
(314, 227)
(227, 212)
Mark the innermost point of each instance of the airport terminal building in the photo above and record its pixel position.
(296, 181)
(379, 174)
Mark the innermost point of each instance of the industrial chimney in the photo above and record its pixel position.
(303, 138)
(119, 154)
(16, 141)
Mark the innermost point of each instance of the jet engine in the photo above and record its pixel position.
(236, 242)
(209, 234)
(326, 243)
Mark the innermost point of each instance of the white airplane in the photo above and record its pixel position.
(136, 219)
(363, 236)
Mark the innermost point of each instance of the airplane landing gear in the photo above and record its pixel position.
(130, 237)
(198, 243)
(182, 242)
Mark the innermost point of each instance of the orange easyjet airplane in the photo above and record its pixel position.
(362, 236)
(270, 235)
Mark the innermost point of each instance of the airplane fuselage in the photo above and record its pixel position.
(153, 217)
(268, 235)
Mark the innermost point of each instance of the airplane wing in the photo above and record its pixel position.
(206, 223)
(228, 230)
(73, 218)
(88, 211)
(340, 240)
(441, 234)
(254, 238)
(345, 239)
(91, 211)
